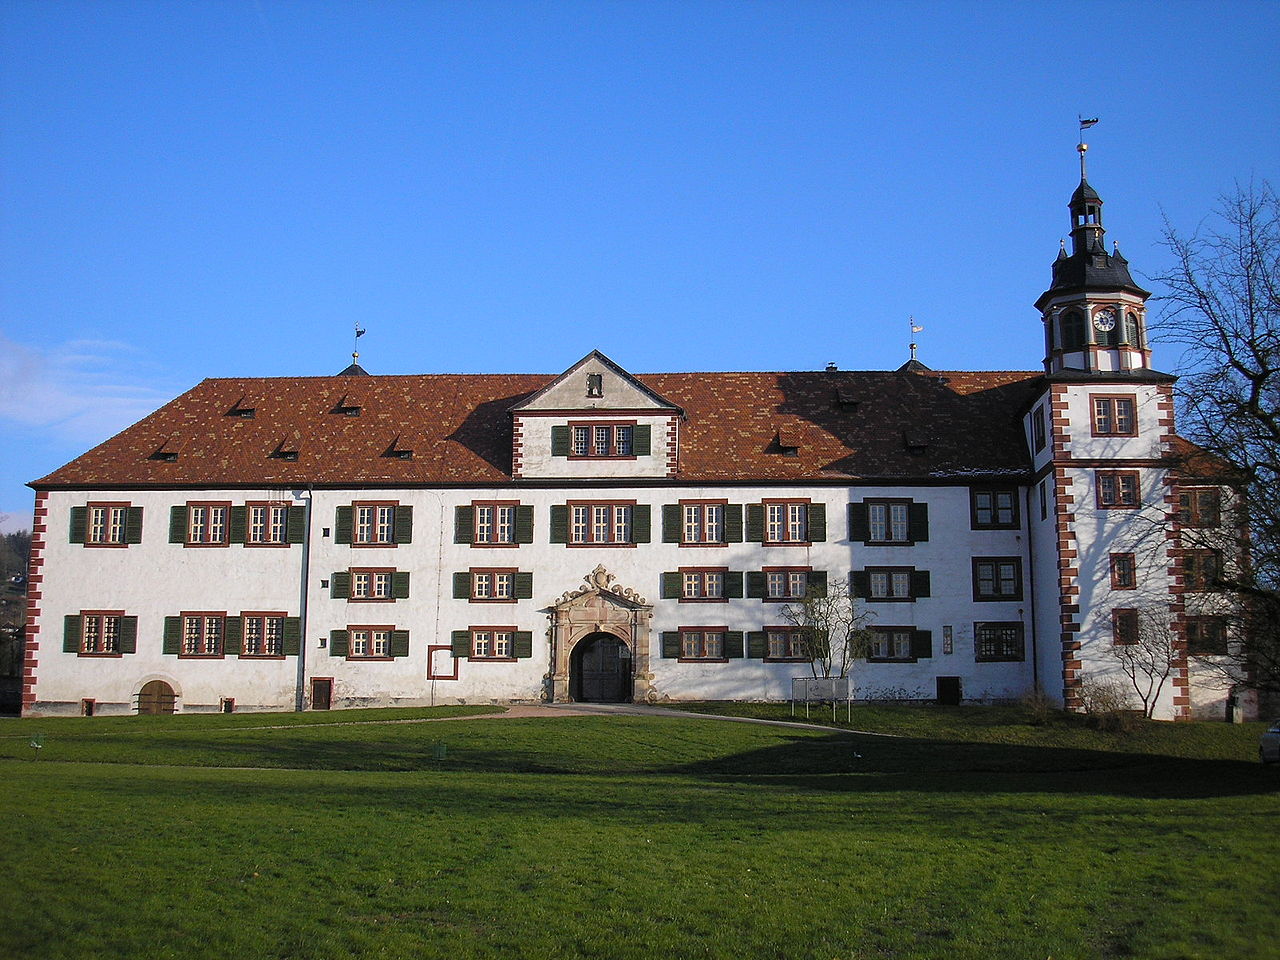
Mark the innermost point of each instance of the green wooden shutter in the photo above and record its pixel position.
(918, 522)
(524, 586)
(399, 643)
(757, 644)
(922, 644)
(342, 526)
(672, 584)
(817, 522)
(178, 524)
(860, 584)
(133, 525)
(239, 524)
(339, 643)
(859, 523)
(522, 644)
(232, 636)
(172, 636)
(128, 634)
(79, 523)
(524, 524)
(640, 439)
(460, 640)
(733, 644)
(340, 585)
(404, 525)
(640, 531)
(733, 523)
(755, 523)
(72, 631)
(671, 644)
(462, 585)
(816, 583)
(295, 525)
(757, 586)
(292, 636)
(672, 521)
(560, 441)
(733, 584)
(560, 523)
(464, 524)
(400, 585)
(919, 584)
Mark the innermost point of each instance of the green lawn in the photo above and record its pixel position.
(971, 834)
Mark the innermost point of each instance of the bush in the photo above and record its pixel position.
(1040, 709)
(1106, 703)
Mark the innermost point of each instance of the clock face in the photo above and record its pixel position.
(1105, 321)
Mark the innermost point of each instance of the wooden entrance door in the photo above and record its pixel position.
(600, 670)
(155, 697)
(321, 693)
(949, 691)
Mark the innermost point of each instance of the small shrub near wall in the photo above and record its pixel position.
(1106, 703)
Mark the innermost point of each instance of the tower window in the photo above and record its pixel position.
(1072, 330)
(1132, 332)
(595, 385)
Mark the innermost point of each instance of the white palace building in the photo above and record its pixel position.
(294, 543)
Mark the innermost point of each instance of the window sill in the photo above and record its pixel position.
(889, 543)
(272, 544)
(1011, 598)
(893, 659)
(205, 546)
(781, 599)
(371, 599)
(786, 543)
(114, 546)
(356, 658)
(704, 599)
(366, 546)
(98, 656)
(712, 543)
(995, 526)
(493, 659)
(201, 656)
(1021, 659)
(497, 544)
(599, 545)
(492, 599)
(261, 656)
(787, 660)
(703, 659)
(889, 599)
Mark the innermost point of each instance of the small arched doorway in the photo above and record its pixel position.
(155, 697)
(600, 670)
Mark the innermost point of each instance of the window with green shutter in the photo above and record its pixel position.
(338, 643)
(888, 522)
(400, 585)
(106, 525)
(889, 584)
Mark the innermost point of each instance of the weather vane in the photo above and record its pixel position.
(355, 343)
(1081, 146)
(915, 328)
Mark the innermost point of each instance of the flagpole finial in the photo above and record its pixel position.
(1081, 147)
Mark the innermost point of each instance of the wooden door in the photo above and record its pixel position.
(321, 693)
(604, 670)
(156, 697)
(949, 691)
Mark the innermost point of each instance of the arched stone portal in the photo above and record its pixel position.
(600, 670)
(612, 623)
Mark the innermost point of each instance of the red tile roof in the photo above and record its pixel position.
(842, 426)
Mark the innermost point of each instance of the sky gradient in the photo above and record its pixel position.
(225, 188)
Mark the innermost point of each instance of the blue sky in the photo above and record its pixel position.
(224, 188)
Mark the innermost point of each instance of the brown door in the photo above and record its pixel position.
(321, 693)
(600, 670)
(949, 691)
(156, 696)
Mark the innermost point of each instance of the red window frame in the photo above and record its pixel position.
(613, 444)
(495, 526)
(101, 616)
(369, 628)
(372, 572)
(264, 616)
(794, 635)
(493, 657)
(888, 503)
(1117, 480)
(591, 505)
(701, 573)
(206, 538)
(1125, 626)
(892, 633)
(994, 493)
(788, 503)
(1124, 571)
(1105, 417)
(114, 508)
(1200, 507)
(205, 616)
(492, 573)
(790, 596)
(889, 572)
(702, 642)
(1196, 643)
(1200, 570)
(356, 507)
(271, 506)
(432, 650)
(702, 506)
(996, 594)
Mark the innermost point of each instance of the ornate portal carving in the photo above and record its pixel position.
(601, 580)
(600, 606)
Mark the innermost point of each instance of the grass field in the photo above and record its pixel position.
(968, 834)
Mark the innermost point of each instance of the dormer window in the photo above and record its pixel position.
(595, 385)
(601, 440)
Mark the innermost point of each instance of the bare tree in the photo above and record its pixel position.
(833, 629)
(1147, 650)
(1223, 306)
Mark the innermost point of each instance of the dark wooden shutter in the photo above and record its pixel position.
(559, 523)
(239, 524)
(72, 631)
(672, 521)
(79, 523)
(462, 585)
(400, 585)
(733, 644)
(640, 439)
(918, 522)
(757, 644)
(295, 525)
(733, 584)
(859, 523)
(339, 643)
(292, 636)
(172, 636)
(524, 585)
(816, 583)
(817, 522)
(919, 584)
(399, 643)
(340, 585)
(522, 644)
(342, 526)
(524, 524)
(672, 584)
(756, 584)
(922, 644)
(233, 636)
(860, 584)
(560, 441)
(133, 525)
(733, 523)
(464, 524)
(460, 640)
(755, 523)
(640, 532)
(128, 634)
(671, 644)
(404, 525)
(178, 524)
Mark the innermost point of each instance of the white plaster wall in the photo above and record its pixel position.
(1046, 588)
(1144, 446)
(537, 463)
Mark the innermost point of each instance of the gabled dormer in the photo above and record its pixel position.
(596, 421)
